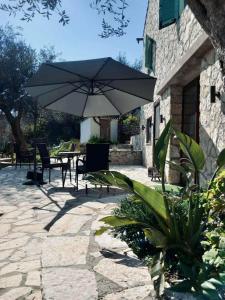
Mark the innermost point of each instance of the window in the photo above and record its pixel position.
(170, 11)
(156, 123)
(150, 49)
(149, 130)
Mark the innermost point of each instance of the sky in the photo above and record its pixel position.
(80, 38)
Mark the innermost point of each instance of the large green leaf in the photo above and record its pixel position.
(191, 149)
(161, 147)
(156, 237)
(153, 199)
(111, 178)
(221, 159)
(115, 221)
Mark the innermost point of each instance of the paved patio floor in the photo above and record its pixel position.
(47, 245)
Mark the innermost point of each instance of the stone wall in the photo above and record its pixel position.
(125, 157)
(172, 44)
(212, 115)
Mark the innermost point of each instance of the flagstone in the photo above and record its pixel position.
(106, 241)
(137, 293)
(15, 243)
(4, 229)
(122, 272)
(64, 251)
(33, 278)
(35, 295)
(12, 214)
(10, 281)
(69, 223)
(69, 283)
(22, 267)
(16, 293)
(29, 228)
(5, 254)
(24, 222)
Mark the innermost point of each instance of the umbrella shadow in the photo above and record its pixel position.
(81, 198)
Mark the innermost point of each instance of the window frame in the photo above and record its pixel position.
(179, 6)
(149, 130)
(150, 62)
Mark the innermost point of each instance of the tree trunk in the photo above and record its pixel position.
(211, 16)
(17, 131)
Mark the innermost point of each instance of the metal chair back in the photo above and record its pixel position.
(44, 154)
(97, 157)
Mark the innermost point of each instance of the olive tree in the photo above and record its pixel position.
(18, 62)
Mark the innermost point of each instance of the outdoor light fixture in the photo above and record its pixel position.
(214, 94)
(139, 40)
(162, 119)
(143, 127)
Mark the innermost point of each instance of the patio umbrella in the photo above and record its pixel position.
(91, 88)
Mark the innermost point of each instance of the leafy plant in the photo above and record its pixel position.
(97, 140)
(130, 120)
(184, 249)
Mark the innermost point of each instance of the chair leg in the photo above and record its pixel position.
(70, 174)
(64, 177)
(86, 189)
(49, 175)
(107, 188)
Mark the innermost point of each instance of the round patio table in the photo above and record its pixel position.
(70, 155)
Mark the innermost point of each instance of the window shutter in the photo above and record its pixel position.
(182, 4)
(168, 12)
(149, 53)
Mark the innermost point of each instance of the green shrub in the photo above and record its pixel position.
(130, 120)
(65, 146)
(97, 140)
(184, 227)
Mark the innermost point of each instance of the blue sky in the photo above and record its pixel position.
(79, 39)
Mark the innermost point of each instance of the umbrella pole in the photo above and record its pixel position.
(35, 144)
(35, 180)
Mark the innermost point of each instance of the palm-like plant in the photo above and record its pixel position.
(175, 234)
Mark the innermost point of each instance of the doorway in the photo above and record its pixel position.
(190, 109)
(105, 129)
(190, 112)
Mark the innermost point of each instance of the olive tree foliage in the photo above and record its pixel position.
(18, 62)
(209, 13)
(29, 8)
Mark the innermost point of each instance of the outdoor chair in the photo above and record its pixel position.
(47, 164)
(23, 156)
(96, 159)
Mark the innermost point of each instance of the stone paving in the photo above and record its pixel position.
(47, 245)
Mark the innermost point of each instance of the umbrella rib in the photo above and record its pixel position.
(67, 71)
(54, 83)
(135, 78)
(111, 102)
(58, 88)
(85, 104)
(102, 67)
(115, 88)
(57, 99)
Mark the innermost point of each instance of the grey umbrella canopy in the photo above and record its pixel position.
(97, 87)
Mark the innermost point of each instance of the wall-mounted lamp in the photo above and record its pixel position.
(214, 94)
(143, 127)
(162, 119)
(139, 40)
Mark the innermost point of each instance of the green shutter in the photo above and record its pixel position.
(168, 12)
(182, 4)
(149, 53)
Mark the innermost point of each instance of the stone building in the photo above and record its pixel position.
(189, 87)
